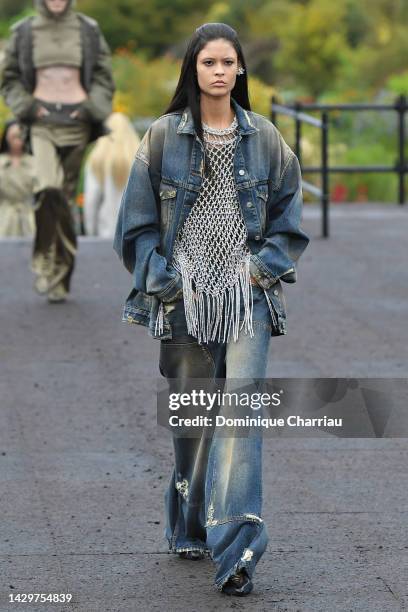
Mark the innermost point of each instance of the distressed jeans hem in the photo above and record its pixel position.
(180, 549)
(249, 556)
(238, 566)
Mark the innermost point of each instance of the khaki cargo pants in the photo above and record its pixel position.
(58, 152)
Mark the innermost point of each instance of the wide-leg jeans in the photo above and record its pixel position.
(214, 499)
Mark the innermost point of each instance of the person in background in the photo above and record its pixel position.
(106, 173)
(56, 77)
(17, 180)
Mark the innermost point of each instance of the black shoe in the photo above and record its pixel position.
(192, 555)
(238, 584)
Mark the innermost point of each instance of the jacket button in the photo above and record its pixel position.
(241, 172)
(249, 204)
(275, 292)
(257, 237)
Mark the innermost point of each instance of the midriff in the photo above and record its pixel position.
(59, 84)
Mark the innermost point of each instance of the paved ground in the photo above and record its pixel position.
(83, 466)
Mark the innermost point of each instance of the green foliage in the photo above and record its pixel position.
(398, 83)
(343, 51)
(6, 23)
(144, 88)
(260, 96)
(356, 22)
(153, 26)
(312, 44)
(373, 187)
(4, 113)
(346, 49)
(10, 8)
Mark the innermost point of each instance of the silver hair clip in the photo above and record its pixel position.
(240, 70)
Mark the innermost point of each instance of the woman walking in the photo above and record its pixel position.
(56, 78)
(209, 225)
(17, 180)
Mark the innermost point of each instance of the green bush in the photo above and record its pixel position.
(379, 187)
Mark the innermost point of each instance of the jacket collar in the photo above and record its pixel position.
(245, 122)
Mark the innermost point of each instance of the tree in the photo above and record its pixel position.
(312, 46)
(10, 8)
(149, 26)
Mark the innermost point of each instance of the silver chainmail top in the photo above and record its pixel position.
(210, 250)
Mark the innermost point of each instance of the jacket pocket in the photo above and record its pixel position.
(168, 197)
(262, 198)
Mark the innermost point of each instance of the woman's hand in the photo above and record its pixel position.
(42, 112)
(80, 113)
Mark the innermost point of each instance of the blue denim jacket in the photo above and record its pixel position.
(163, 185)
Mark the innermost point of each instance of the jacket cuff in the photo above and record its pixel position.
(172, 291)
(261, 274)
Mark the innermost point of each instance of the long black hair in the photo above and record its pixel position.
(187, 92)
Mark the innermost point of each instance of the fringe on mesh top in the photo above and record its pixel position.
(210, 250)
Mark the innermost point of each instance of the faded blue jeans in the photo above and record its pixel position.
(214, 499)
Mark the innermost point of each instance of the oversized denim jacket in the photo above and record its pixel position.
(163, 185)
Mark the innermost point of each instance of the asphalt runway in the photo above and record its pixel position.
(83, 465)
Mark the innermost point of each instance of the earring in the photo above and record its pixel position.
(240, 70)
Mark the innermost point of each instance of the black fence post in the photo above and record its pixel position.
(401, 107)
(274, 115)
(325, 175)
(298, 133)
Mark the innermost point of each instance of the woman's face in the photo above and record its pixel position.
(14, 140)
(56, 7)
(217, 61)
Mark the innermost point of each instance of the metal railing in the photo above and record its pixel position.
(297, 111)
